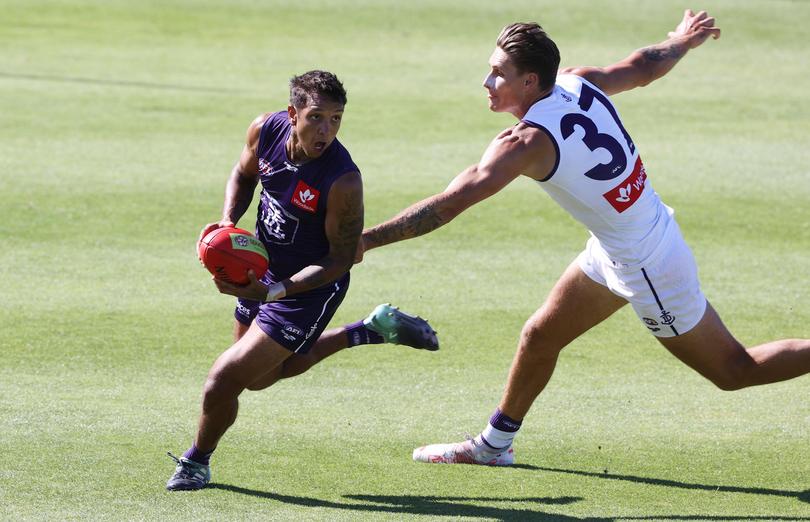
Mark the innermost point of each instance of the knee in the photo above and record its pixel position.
(727, 383)
(220, 388)
(736, 374)
(536, 339)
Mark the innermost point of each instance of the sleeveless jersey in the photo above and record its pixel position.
(598, 176)
(292, 206)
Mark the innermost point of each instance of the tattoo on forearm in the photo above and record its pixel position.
(413, 222)
(664, 51)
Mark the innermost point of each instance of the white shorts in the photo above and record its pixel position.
(664, 289)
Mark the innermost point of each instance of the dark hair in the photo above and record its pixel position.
(323, 83)
(530, 48)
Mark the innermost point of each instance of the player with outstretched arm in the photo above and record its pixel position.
(570, 140)
(310, 217)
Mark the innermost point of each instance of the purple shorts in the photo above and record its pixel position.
(297, 321)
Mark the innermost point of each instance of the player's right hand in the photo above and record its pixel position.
(213, 226)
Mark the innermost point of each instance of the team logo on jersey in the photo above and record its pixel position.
(667, 318)
(279, 225)
(622, 196)
(305, 197)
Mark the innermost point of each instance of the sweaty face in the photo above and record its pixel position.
(506, 87)
(314, 127)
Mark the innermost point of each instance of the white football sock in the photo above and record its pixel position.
(496, 438)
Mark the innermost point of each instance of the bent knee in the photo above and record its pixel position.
(737, 374)
(728, 384)
(219, 387)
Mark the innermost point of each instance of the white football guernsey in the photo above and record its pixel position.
(598, 176)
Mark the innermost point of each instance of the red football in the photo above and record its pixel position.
(229, 253)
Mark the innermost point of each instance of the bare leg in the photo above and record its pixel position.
(575, 305)
(239, 330)
(389, 323)
(712, 351)
(329, 343)
(233, 371)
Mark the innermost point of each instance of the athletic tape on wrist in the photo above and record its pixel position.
(275, 292)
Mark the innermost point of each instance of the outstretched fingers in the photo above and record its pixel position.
(696, 28)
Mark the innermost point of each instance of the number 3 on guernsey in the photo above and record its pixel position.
(594, 139)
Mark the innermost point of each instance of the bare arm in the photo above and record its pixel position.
(344, 224)
(426, 215)
(651, 63)
(242, 182)
(513, 152)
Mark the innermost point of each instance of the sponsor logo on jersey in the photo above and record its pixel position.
(650, 321)
(305, 197)
(622, 196)
(566, 97)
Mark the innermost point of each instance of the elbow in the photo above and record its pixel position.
(343, 264)
(649, 76)
(448, 213)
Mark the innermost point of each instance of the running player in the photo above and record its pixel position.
(310, 218)
(570, 139)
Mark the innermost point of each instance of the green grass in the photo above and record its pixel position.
(119, 122)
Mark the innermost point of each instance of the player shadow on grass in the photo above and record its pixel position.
(408, 501)
(464, 507)
(421, 505)
(802, 496)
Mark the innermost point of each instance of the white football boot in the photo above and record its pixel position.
(471, 451)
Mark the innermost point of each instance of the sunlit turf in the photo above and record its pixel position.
(119, 123)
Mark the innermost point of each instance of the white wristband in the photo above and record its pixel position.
(275, 292)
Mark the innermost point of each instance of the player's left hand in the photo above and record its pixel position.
(696, 28)
(254, 289)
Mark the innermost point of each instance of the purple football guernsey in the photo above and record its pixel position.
(292, 210)
(291, 225)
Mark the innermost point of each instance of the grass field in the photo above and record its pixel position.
(119, 122)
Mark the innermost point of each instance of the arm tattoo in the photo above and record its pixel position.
(350, 226)
(415, 221)
(662, 52)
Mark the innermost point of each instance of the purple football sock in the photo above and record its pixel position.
(200, 457)
(359, 334)
(501, 430)
(503, 422)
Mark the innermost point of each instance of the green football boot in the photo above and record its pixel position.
(397, 327)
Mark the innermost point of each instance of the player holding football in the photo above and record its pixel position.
(310, 218)
(569, 138)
